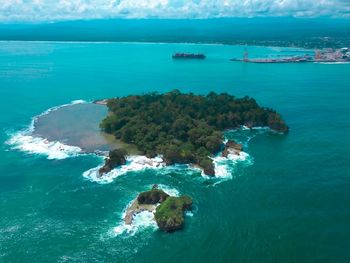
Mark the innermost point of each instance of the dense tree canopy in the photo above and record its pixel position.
(184, 128)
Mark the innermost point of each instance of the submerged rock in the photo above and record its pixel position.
(169, 214)
(115, 158)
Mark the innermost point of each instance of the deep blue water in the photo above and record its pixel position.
(291, 204)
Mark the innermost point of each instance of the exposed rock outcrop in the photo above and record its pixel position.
(153, 196)
(168, 210)
(115, 158)
(232, 147)
(169, 215)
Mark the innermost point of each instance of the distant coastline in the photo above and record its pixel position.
(273, 44)
(291, 32)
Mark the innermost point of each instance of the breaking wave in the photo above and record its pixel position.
(37, 145)
(143, 220)
(225, 167)
(26, 142)
(133, 163)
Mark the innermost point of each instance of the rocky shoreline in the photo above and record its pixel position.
(117, 157)
(168, 210)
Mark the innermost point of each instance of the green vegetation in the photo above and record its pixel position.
(169, 214)
(153, 196)
(184, 128)
(116, 158)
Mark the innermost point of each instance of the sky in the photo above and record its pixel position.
(58, 10)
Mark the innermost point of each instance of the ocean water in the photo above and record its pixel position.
(287, 200)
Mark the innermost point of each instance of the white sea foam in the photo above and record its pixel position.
(37, 145)
(189, 213)
(224, 167)
(263, 128)
(26, 142)
(134, 163)
(142, 220)
(168, 190)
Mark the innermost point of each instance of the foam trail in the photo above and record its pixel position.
(142, 220)
(224, 166)
(168, 190)
(134, 163)
(36, 145)
(26, 142)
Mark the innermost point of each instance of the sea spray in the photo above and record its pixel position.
(225, 166)
(133, 163)
(37, 145)
(141, 221)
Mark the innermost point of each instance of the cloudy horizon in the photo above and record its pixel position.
(51, 10)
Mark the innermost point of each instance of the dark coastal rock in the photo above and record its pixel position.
(115, 158)
(249, 124)
(232, 145)
(169, 215)
(279, 127)
(207, 165)
(153, 196)
(276, 123)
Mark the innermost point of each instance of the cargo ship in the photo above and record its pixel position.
(188, 56)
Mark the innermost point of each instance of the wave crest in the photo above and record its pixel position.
(26, 142)
(37, 145)
(134, 163)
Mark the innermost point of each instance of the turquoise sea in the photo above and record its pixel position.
(288, 201)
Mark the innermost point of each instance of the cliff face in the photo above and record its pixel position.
(169, 215)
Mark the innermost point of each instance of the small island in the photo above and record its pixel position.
(168, 210)
(182, 128)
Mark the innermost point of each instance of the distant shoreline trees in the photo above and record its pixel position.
(184, 128)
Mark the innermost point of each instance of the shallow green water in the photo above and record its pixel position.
(292, 204)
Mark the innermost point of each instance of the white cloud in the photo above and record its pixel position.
(49, 10)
